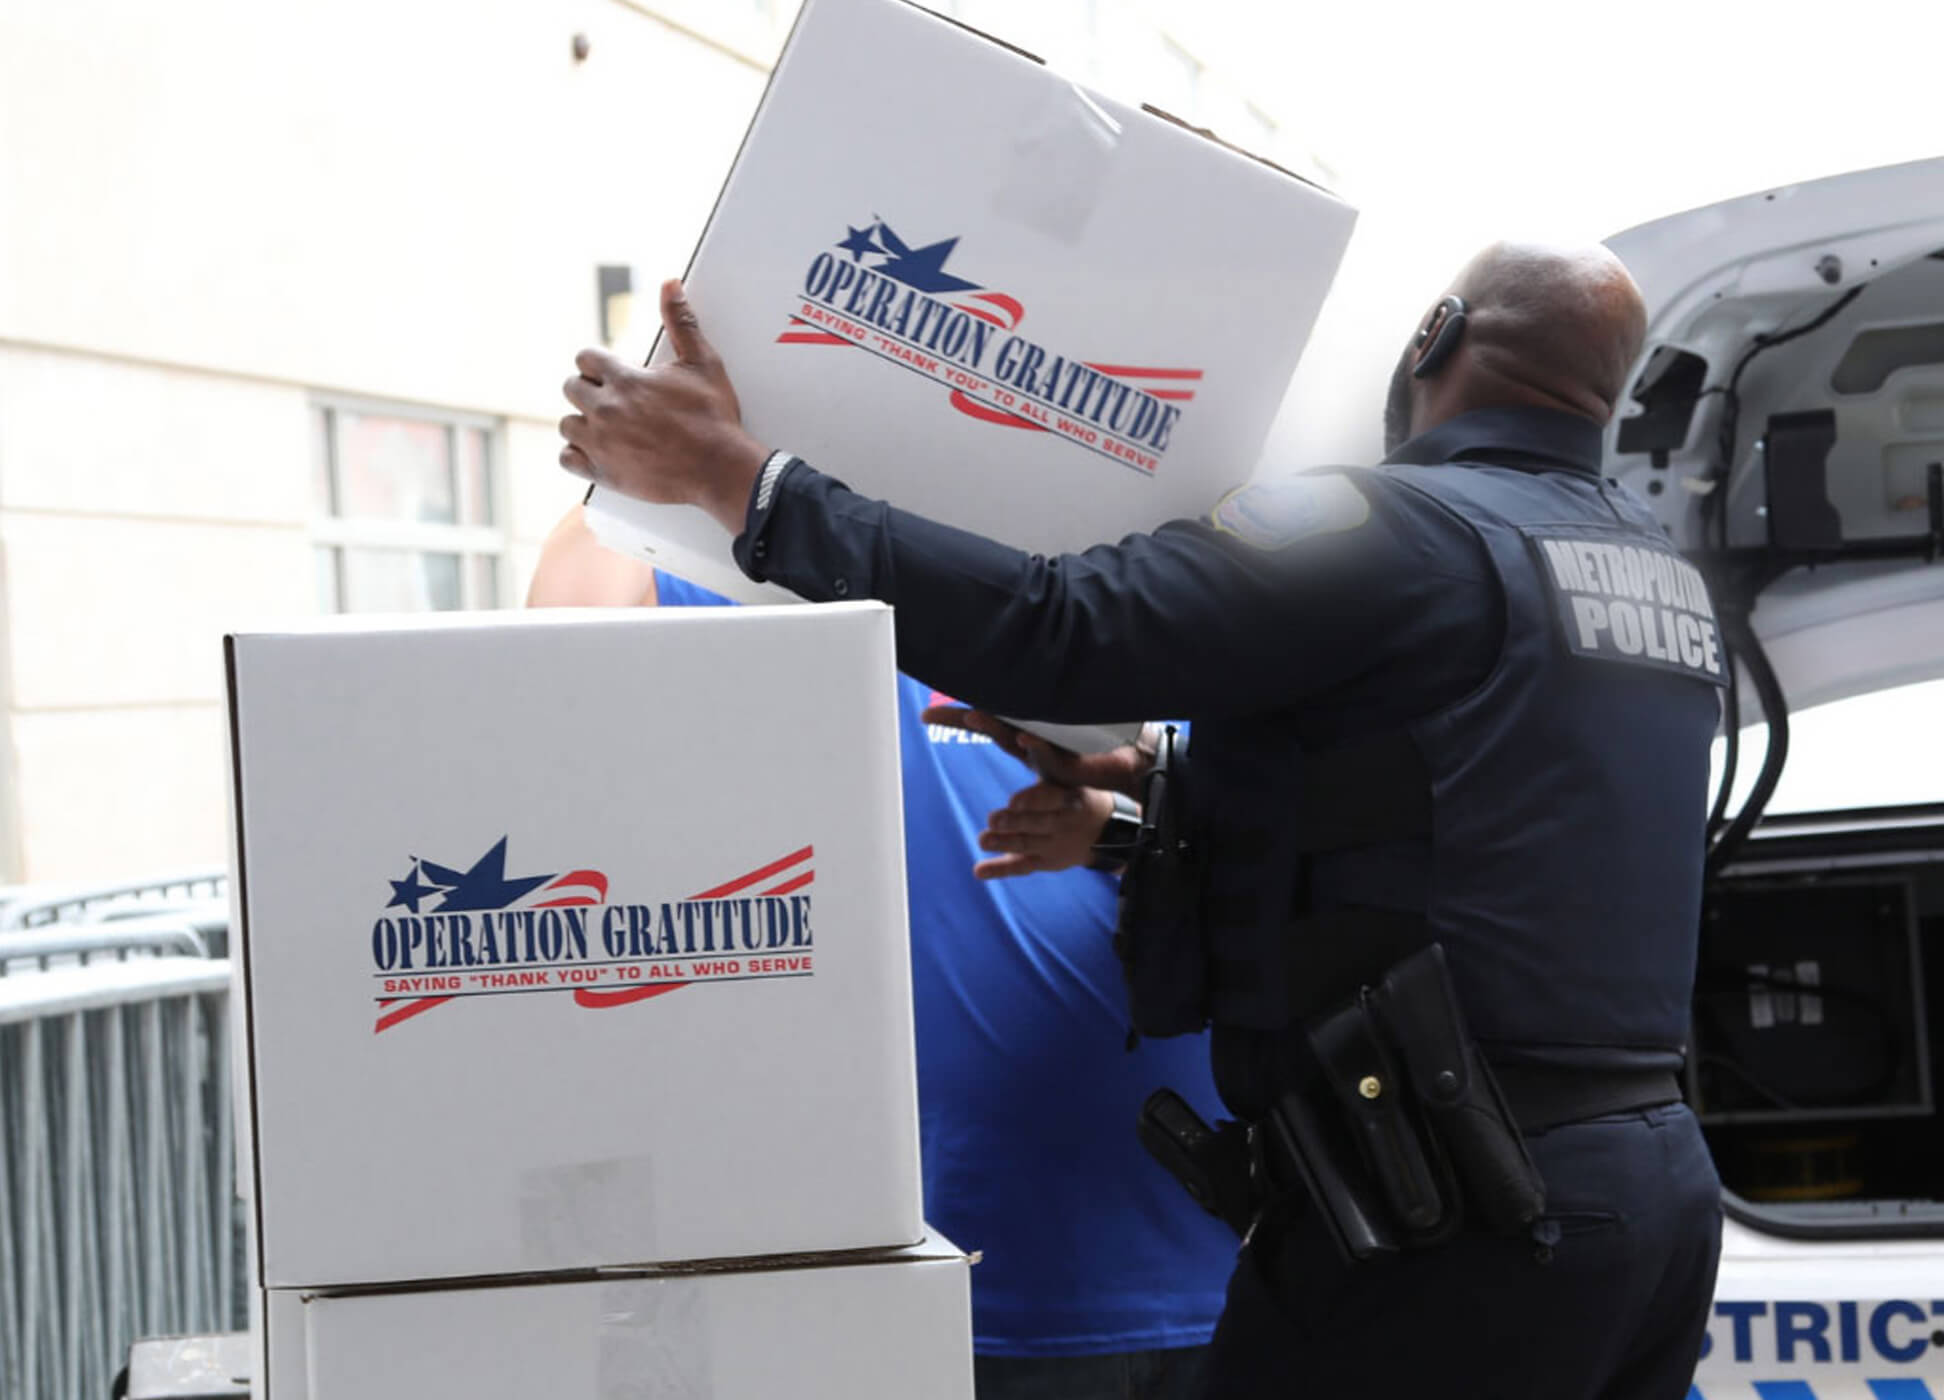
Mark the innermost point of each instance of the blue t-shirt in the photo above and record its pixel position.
(1026, 1094)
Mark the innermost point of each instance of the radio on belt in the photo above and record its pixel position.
(960, 282)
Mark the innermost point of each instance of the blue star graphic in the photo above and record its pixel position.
(409, 891)
(922, 268)
(485, 885)
(860, 242)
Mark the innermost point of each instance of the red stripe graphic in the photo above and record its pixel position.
(592, 880)
(745, 881)
(626, 996)
(1143, 372)
(1009, 305)
(407, 1011)
(1012, 313)
(804, 332)
(621, 996)
(985, 412)
(809, 335)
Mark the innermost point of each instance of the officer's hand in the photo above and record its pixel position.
(672, 433)
(1044, 827)
(1117, 770)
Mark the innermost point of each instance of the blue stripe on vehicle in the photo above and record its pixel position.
(1901, 1389)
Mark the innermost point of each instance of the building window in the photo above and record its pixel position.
(408, 517)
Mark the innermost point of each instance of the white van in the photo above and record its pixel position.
(1788, 429)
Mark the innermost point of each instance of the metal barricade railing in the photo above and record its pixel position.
(45, 947)
(30, 906)
(118, 1216)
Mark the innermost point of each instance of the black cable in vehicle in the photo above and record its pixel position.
(1731, 748)
(1718, 984)
(1739, 633)
(1724, 841)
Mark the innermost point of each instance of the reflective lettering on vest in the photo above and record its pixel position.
(1621, 596)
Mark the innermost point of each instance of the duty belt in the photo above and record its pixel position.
(1224, 1170)
(1404, 1131)
(1542, 1097)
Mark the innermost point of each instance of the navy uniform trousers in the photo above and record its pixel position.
(1619, 1301)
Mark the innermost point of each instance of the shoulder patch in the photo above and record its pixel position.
(1623, 595)
(1278, 512)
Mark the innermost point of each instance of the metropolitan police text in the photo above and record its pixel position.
(678, 929)
(1636, 602)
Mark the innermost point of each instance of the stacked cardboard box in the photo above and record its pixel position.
(961, 282)
(576, 986)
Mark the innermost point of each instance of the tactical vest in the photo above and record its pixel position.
(1547, 828)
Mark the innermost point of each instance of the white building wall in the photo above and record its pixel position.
(143, 510)
(211, 210)
(405, 198)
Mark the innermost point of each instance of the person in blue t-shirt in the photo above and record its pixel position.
(1100, 1279)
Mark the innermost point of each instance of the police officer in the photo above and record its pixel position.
(1463, 699)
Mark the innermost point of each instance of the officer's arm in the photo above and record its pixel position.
(1184, 621)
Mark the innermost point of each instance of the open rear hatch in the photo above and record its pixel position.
(1787, 426)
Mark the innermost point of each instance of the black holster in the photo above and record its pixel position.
(1403, 1134)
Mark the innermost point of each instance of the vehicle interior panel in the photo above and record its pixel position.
(1814, 1060)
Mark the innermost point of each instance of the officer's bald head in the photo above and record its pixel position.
(1556, 327)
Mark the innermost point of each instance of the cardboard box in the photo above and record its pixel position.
(960, 282)
(572, 942)
(277, 1350)
(897, 1327)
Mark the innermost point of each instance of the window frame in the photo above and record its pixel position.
(330, 530)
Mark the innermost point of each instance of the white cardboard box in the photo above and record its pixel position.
(572, 941)
(959, 281)
(277, 1351)
(894, 1328)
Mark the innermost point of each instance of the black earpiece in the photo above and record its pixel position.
(1437, 339)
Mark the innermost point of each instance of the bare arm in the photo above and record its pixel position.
(576, 571)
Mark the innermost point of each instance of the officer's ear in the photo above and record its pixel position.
(1437, 338)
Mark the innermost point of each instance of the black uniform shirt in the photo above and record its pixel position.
(1302, 613)
(1350, 606)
